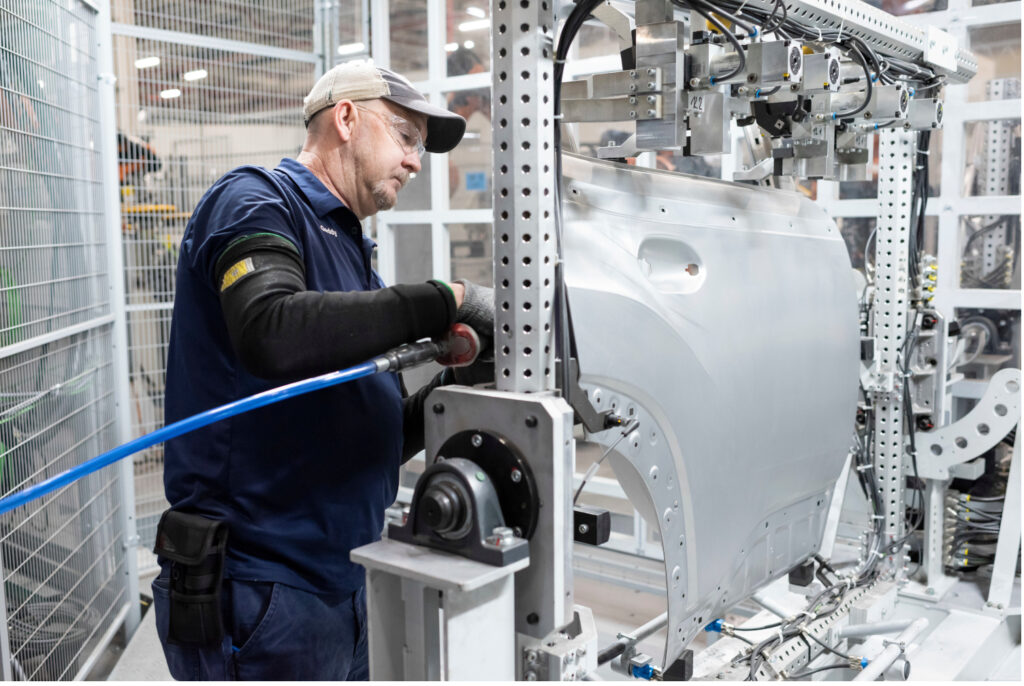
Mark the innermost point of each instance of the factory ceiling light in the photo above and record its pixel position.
(351, 48)
(474, 25)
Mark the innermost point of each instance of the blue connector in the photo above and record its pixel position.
(715, 626)
(754, 34)
(645, 672)
(874, 77)
(863, 662)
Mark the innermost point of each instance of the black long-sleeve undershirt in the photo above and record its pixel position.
(283, 332)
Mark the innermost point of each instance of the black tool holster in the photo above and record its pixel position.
(195, 545)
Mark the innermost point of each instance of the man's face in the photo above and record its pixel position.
(386, 153)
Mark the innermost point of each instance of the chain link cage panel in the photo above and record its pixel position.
(204, 91)
(63, 562)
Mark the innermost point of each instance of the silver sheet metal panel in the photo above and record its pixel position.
(63, 561)
(724, 317)
(202, 88)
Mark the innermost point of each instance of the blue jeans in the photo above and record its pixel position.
(273, 632)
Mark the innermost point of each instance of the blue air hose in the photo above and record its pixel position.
(399, 358)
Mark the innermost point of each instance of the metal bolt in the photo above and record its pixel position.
(650, 85)
(694, 82)
(652, 113)
(531, 656)
(632, 74)
(438, 408)
(583, 528)
(632, 88)
(651, 99)
(517, 475)
(794, 87)
(531, 676)
(632, 114)
(651, 71)
(531, 421)
(477, 440)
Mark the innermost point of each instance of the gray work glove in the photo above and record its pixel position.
(478, 312)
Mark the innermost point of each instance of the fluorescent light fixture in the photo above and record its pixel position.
(170, 93)
(195, 75)
(147, 62)
(351, 48)
(468, 45)
(451, 47)
(476, 12)
(474, 25)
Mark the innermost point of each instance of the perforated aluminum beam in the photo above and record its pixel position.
(895, 179)
(524, 192)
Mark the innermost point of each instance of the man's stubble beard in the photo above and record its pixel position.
(382, 197)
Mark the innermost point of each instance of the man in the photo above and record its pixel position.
(274, 284)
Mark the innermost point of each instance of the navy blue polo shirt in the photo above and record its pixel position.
(301, 482)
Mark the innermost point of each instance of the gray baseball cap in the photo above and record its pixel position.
(362, 80)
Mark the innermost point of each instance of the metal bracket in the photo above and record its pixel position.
(992, 418)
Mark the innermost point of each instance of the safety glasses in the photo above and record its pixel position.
(403, 131)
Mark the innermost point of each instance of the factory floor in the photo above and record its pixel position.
(622, 611)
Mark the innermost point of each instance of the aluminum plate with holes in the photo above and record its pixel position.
(724, 317)
(992, 418)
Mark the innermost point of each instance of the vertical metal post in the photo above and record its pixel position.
(1004, 568)
(895, 182)
(5, 637)
(119, 332)
(995, 172)
(437, 70)
(524, 191)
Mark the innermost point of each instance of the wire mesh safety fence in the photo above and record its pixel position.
(63, 561)
(52, 272)
(274, 23)
(206, 88)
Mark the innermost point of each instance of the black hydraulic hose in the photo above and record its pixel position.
(610, 653)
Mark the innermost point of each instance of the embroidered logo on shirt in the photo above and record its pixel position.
(237, 271)
(330, 231)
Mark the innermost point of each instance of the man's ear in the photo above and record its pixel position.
(346, 118)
